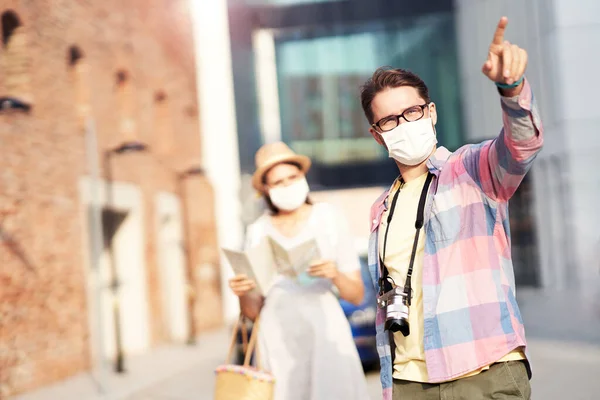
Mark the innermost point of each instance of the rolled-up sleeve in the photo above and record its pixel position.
(498, 166)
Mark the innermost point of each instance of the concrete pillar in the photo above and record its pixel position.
(218, 129)
(266, 84)
(528, 25)
(575, 35)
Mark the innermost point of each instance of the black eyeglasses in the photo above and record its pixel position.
(411, 114)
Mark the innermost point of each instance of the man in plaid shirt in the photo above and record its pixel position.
(466, 338)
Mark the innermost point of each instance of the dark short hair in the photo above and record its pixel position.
(388, 78)
(272, 208)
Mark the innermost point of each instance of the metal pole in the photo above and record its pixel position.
(114, 286)
(95, 222)
(191, 297)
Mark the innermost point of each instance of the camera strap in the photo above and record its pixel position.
(383, 281)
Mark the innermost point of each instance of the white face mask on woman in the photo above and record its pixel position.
(291, 197)
(411, 143)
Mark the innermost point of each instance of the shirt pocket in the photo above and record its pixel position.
(444, 225)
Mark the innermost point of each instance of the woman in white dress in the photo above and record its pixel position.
(304, 338)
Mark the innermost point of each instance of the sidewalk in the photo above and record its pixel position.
(564, 346)
(145, 371)
(564, 370)
(559, 316)
(563, 337)
(560, 371)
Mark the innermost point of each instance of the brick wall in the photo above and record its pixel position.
(44, 329)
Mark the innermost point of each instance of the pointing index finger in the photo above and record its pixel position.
(499, 34)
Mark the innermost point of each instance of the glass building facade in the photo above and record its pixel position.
(320, 73)
(324, 52)
(284, 2)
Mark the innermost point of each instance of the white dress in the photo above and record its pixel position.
(304, 338)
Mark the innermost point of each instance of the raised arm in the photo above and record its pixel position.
(498, 166)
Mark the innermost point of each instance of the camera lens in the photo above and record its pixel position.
(398, 325)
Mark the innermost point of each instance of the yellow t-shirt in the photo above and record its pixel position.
(409, 359)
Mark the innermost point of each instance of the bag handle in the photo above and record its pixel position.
(244, 336)
(248, 346)
(236, 328)
(252, 348)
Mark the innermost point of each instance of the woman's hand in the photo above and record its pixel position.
(241, 285)
(323, 269)
(349, 284)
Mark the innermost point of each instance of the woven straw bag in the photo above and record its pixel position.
(244, 382)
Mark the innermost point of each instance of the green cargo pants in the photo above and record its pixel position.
(503, 381)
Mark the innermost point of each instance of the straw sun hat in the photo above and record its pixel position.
(272, 154)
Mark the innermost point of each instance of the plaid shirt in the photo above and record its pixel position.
(471, 317)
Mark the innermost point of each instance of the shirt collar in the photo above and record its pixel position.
(438, 159)
(435, 163)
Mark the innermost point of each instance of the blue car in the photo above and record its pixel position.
(362, 323)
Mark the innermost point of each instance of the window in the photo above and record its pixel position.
(524, 243)
(314, 57)
(320, 71)
(280, 2)
(14, 61)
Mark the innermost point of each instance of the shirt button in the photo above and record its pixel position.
(375, 222)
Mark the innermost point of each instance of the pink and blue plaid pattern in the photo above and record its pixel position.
(471, 317)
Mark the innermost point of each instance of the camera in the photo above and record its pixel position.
(395, 304)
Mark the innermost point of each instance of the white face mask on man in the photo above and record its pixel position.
(411, 143)
(291, 197)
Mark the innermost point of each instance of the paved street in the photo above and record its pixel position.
(193, 385)
(564, 346)
(562, 371)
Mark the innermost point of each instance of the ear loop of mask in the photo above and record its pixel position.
(431, 118)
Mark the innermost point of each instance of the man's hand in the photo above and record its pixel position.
(323, 269)
(241, 284)
(506, 62)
